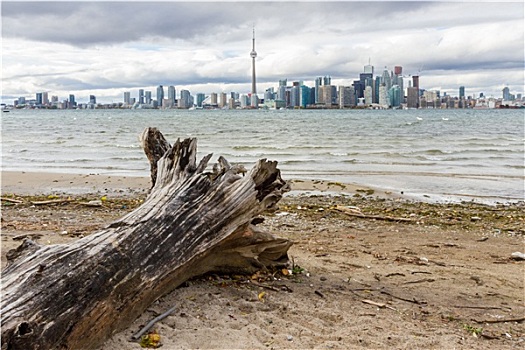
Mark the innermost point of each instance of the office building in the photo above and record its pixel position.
(141, 96)
(461, 92)
(127, 98)
(223, 102)
(172, 95)
(148, 98)
(412, 97)
(160, 95)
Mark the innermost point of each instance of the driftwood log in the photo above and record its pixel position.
(193, 221)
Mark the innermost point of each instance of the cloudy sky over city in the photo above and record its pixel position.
(106, 48)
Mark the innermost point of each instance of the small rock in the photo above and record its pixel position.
(289, 338)
(517, 256)
(322, 278)
(63, 233)
(475, 218)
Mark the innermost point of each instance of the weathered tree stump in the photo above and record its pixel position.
(77, 295)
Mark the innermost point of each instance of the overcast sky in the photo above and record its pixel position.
(106, 48)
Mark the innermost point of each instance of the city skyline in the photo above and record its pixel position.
(448, 44)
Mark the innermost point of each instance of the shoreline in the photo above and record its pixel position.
(47, 183)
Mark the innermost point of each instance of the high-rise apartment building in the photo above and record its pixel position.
(160, 95)
(200, 99)
(506, 94)
(223, 102)
(213, 99)
(147, 99)
(415, 82)
(141, 96)
(398, 70)
(461, 92)
(172, 97)
(127, 98)
(412, 97)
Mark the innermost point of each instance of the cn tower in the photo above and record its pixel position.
(254, 101)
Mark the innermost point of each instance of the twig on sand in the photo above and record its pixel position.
(146, 328)
(480, 307)
(380, 305)
(52, 201)
(352, 212)
(501, 320)
(11, 200)
(264, 286)
(421, 281)
(413, 300)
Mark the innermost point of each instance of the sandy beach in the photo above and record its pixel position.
(402, 275)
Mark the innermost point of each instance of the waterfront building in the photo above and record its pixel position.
(127, 98)
(45, 99)
(506, 94)
(327, 80)
(385, 79)
(305, 96)
(412, 97)
(269, 94)
(92, 100)
(200, 99)
(346, 96)
(213, 99)
(318, 84)
(160, 95)
(383, 96)
(328, 95)
(172, 95)
(39, 99)
(223, 101)
(415, 82)
(461, 92)
(281, 93)
(141, 96)
(395, 96)
(186, 100)
(369, 96)
(148, 98)
(167, 103)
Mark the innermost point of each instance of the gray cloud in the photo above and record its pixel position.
(122, 45)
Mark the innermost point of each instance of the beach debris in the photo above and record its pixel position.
(27, 235)
(319, 293)
(151, 340)
(379, 305)
(261, 296)
(11, 200)
(289, 338)
(353, 212)
(517, 256)
(150, 324)
(94, 203)
(53, 201)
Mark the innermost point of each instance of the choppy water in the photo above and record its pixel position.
(445, 154)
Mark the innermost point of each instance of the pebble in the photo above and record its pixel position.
(289, 337)
(518, 256)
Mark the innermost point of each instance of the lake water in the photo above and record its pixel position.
(437, 154)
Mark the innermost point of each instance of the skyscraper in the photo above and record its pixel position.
(172, 94)
(461, 92)
(160, 95)
(253, 55)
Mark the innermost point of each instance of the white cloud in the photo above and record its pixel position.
(108, 48)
